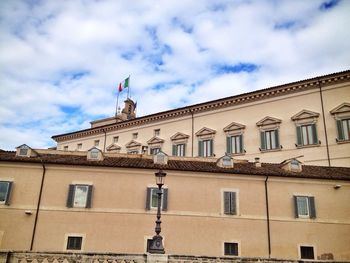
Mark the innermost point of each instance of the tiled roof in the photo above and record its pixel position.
(262, 94)
(185, 164)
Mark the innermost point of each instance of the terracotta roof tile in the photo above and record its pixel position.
(309, 171)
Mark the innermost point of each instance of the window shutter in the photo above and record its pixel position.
(314, 133)
(312, 207)
(200, 148)
(184, 152)
(229, 144)
(296, 207)
(241, 148)
(233, 203)
(227, 203)
(277, 139)
(211, 147)
(174, 150)
(70, 195)
(148, 198)
(89, 197)
(299, 136)
(340, 130)
(8, 195)
(262, 140)
(165, 199)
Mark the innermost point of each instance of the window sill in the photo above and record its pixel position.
(271, 150)
(308, 146)
(343, 141)
(237, 154)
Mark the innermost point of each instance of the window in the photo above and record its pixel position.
(154, 150)
(115, 139)
(5, 191)
(179, 149)
(306, 135)
(230, 249)
(227, 161)
(205, 148)
(234, 144)
(74, 243)
(134, 135)
(96, 143)
(149, 243)
(230, 206)
(79, 146)
(65, 148)
(23, 151)
(152, 198)
(307, 252)
(269, 140)
(133, 152)
(94, 153)
(156, 132)
(79, 195)
(343, 127)
(304, 207)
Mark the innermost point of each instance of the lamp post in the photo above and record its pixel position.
(156, 246)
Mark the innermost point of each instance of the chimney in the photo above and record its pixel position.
(257, 162)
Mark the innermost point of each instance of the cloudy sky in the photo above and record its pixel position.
(61, 61)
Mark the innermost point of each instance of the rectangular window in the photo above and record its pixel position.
(5, 191)
(343, 127)
(79, 195)
(205, 148)
(65, 148)
(79, 146)
(234, 144)
(230, 249)
(179, 149)
(156, 132)
(307, 134)
(304, 207)
(230, 206)
(149, 243)
(269, 140)
(23, 151)
(115, 139)
(307, 252)
(74, 243)
(152, 198)
(154, 151)
(134, 135)
(96, 143)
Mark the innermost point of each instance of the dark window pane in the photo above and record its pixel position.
(149, 243)
(74, 243)
(231, 249)
(307, 252)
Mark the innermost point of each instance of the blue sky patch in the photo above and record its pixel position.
(237, 68)
(329, 4)
(177, 23)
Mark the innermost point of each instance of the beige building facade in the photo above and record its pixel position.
(103, 202)
(309, 118)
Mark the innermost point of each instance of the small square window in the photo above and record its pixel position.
(74, 243)
(134, 135)
(231, 249)
(156, 132)
(96, 143)
(115, 139)
(79, 146)
(23, 151)
(65, 148)
(307, 252)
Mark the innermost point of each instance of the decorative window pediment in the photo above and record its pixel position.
(225, 161)
(179, 136)
(132, 144)
(305, 115)
(234, 127)
(205, 133)
(155, 140)
(343, 110)
(269, 121)
(113, 147)
(25, 151)
(160, 158)
(95, 154)
(292, 164)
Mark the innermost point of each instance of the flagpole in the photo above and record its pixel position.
(116, 107)
(129, 87)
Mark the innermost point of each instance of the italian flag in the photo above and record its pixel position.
(124, 84)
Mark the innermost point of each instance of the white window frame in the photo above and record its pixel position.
(180, 149)
(270, 140)
(86, 196)
(7, 190)
(306, 200)
(153, 189)
(222, 198)
(156, 148)
(238, 248)
(67, 235)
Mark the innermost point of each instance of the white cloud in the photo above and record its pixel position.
(61, 61)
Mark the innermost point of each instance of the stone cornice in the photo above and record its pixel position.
(258, 95)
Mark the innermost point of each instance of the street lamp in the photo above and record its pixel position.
(156, 246)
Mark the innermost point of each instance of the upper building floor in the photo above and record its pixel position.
(309, 118)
